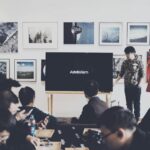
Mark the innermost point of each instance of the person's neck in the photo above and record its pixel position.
(129, 140)
(30, 105)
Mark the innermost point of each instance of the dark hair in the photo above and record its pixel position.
(117, 117)
(129, 49)
(7, 120)
(26, 95)
(91, 88)
(6, 98)
(7, 84)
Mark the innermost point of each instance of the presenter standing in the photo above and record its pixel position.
(132, 71)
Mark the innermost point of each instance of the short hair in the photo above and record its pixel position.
(117, 117)
(6, 98)
(26, 95)
(7, 84)
(91, 88)
(129, 49)
(7, 120)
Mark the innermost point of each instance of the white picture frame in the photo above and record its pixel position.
(137, 33)
(25, 69)
(5, 67)
(40, 35)
(110, 33)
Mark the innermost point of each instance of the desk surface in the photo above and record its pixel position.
(71, 136)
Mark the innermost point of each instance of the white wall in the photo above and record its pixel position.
(74, 10)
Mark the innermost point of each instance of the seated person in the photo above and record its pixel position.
(20, 136)
(95, 107)
(7, 121)
(27, 98)
(145, 122)
(119, 131)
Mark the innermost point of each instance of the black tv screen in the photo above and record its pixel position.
(70, 71)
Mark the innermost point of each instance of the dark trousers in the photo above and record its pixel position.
(133, 94)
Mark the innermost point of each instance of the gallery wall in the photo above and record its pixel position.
(74, 11)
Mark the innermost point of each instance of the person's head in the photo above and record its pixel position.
(130, 52)
(26, 96)
(91, 88)
(7, 84)
(7, 121)
(117, 126)
(9, 101)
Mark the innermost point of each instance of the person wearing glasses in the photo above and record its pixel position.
(119, 131)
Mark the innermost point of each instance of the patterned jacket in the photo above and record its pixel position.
(132, 70)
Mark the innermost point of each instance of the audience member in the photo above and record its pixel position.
(7, 121)
(27, 98)
(145, 122)
(20, 133)
(119, 131)
(95, 107)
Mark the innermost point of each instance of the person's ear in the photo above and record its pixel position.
(120, 132)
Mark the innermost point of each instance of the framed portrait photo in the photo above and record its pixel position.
(110, 33)
(78, 32)
(43, 69)
(25, 69)
(40, 35)
(138, 34)
(5, 67)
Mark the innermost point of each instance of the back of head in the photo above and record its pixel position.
(6, 98)
(129, 49)
(91, 88)
(7, 84)
(7, 120)
(117, 117)
(26, 95)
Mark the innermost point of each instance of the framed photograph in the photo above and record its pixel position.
(117, 63)
(40, 35)
(43, 69)
(138, 34)
(25, 69)
(5, 67)
(78, 32)
(110, 33)
(8, 37)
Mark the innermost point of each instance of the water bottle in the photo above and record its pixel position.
(32, 125)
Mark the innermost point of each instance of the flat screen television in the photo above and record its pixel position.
(70, 71)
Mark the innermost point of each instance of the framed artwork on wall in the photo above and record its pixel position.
(5, 67)
(40, 35)
(117, 62)
(138, 34)
(78, 32)
(43, 69)
(25, 69)
(110, 33)
(8, 37)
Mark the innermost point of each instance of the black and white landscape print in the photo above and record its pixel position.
(138, 34)
(40, 35)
